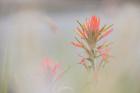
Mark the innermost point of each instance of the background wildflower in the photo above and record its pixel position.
(53, 69)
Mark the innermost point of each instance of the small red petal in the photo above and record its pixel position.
(77, 44)
(107, 33)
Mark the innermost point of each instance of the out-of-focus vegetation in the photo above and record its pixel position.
(26, 32)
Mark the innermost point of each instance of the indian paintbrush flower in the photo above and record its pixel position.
(89, 38)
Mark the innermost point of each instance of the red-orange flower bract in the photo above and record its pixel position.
(89, 34)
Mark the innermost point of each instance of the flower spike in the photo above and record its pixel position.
(89, 34)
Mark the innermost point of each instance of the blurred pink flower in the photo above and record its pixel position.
(55, 69)
(51, 66)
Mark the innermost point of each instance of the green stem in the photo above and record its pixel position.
(5, 74)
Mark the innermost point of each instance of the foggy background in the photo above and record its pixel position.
(31, 30)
